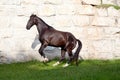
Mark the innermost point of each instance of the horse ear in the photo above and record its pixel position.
(33, 15)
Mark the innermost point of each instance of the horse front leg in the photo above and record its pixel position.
(43, 46)
(62, 57)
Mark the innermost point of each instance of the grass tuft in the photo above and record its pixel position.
(108, 5)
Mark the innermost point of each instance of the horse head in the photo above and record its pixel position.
(32, 21)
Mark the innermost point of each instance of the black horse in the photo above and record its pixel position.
(49, 36)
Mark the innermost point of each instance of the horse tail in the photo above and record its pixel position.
(76, 55)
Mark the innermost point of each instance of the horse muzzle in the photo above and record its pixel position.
(27, 28)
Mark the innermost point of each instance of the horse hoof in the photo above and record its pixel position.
(66, 65)
(56, 63)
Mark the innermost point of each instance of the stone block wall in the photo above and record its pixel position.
(97, 28)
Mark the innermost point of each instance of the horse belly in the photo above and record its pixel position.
(57, 42)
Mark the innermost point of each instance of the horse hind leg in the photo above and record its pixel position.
(62, 57)
(70, 58)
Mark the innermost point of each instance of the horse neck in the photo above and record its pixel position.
(41, 27)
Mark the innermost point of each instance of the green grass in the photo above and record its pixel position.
(86, 70)
(108, 5)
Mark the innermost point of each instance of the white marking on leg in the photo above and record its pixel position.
(66, 65)
(42, 58)
(46, 60)
(56, 63)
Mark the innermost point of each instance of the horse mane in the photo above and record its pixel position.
(45, 23)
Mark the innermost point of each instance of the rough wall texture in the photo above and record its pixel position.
(97, 28)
